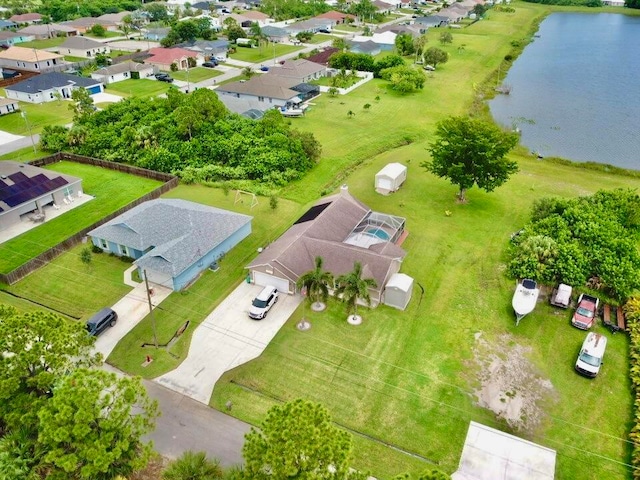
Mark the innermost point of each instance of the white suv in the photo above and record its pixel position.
(591, 354)
(263, 302)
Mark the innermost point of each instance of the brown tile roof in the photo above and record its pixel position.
(296, 68)
(333, 15)
(293, 254)
(323, 57)
(254, 15)
(7, 101)
(271, 86)
(169, 55)
(26, 17)
(28, 54)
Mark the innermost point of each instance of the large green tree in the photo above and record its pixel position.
(82, 105)
(351, 288)
(297, 440)
(91, 428)
(434, 56)
(404, 79)
(632, 3)
(469, 152)
(316, 282)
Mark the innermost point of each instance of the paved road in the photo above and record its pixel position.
(186, 424)
(18, 144)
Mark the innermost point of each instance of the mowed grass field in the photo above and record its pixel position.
(138, 88)
(263, 54)
(112, 190)
(37, 117)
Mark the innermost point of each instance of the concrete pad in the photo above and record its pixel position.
(131, 309)
(106, 98)
(6, 137)
(225, 339)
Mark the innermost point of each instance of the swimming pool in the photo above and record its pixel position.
(378, 233)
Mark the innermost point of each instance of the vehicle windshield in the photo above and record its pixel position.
(584, 312)
(589, 359)
(259, 303)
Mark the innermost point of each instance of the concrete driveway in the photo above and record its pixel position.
(225, 339)
(131, 309)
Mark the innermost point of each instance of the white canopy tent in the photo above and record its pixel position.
(390, 178)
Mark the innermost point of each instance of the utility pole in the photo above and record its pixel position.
(23, 114)
(153, 320)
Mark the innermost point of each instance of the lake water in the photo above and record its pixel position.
(576, 89)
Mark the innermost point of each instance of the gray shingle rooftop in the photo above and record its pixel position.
(81, 43)
(47, 81)
(176, 233)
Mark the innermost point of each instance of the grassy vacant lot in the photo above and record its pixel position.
(44, 43)
(138, 88)
(68, 286)
(200, 299)
(264, 54)
(196, 74)
(321, 38)
(112, 190)
(38, 116)
(24, 154)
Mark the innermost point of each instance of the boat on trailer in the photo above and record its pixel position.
(525, 298)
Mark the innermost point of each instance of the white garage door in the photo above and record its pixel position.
(264, 279)
(160, 278)
(385, 183)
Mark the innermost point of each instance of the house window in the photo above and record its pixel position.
(103, 244)
(50, 94)
(261, 99)
(124, 250)
(126, 74)
(68, 191)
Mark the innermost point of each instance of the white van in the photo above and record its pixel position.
(591, 354)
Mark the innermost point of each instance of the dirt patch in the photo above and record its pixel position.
(509, 384)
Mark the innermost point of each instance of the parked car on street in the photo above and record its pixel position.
(263, 302)
(164, 77)
(210, 64)
(585, 314)
(591, 354)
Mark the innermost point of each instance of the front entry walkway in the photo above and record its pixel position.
(225, 339)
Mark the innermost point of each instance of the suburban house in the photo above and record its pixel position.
(313, 25)
(385, 40)
(28, 18)
(247, 107)
(83, 47)
(8, 105)
(29, 59)
(115, 18)
(26, 190)
(123, 71)
(50, 30)
(275, 34)
(8, 39)
(48, 87)
(156, 34)
(214, 22)
(432, 21)
(323, 56)
(163, 58)
(368, 47)
(413, 30)
(207, 48)
(5, 24)
(342, 231)
(338, 18)
(301, 70)
(83, 24)
(272, 90)
(172, 240)
(490, 454)
(246, 19)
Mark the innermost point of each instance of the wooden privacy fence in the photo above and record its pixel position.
(170, 182)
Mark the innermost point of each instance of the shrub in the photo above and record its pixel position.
(96, 249)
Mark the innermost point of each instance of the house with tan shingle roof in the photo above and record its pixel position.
(28, 18)
(9, 39)
(83, 47)
(301, 70)
(29, 59)
(337, 17)
(341, 230)
(50, 30)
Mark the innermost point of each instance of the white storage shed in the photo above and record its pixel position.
(398, 290)
(390, 178)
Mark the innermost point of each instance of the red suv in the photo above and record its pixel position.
(585, 314)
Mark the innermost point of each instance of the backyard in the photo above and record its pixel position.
(263, 54)
(138, 87)
(36, 117)
(111, 189)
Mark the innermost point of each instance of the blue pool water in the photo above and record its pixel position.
(378, 233)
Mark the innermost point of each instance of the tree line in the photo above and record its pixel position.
(193, 136)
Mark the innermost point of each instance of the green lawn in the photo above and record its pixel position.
(233, 79)
(118, 53)
(112, 190)
(197, 74)
(138, 88)
(69, 286)
(107, 34)
(24, 154)
(195, 303)
(45, 43)
(37, 116)
(264, 54)
(321, 38)
(69, 58)
(347, 28)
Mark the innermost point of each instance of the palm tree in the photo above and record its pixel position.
(316, 282)
(352, 287)
(192, 466)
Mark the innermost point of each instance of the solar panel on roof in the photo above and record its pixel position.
(18, 177)
(312, 213)
(2, 184)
